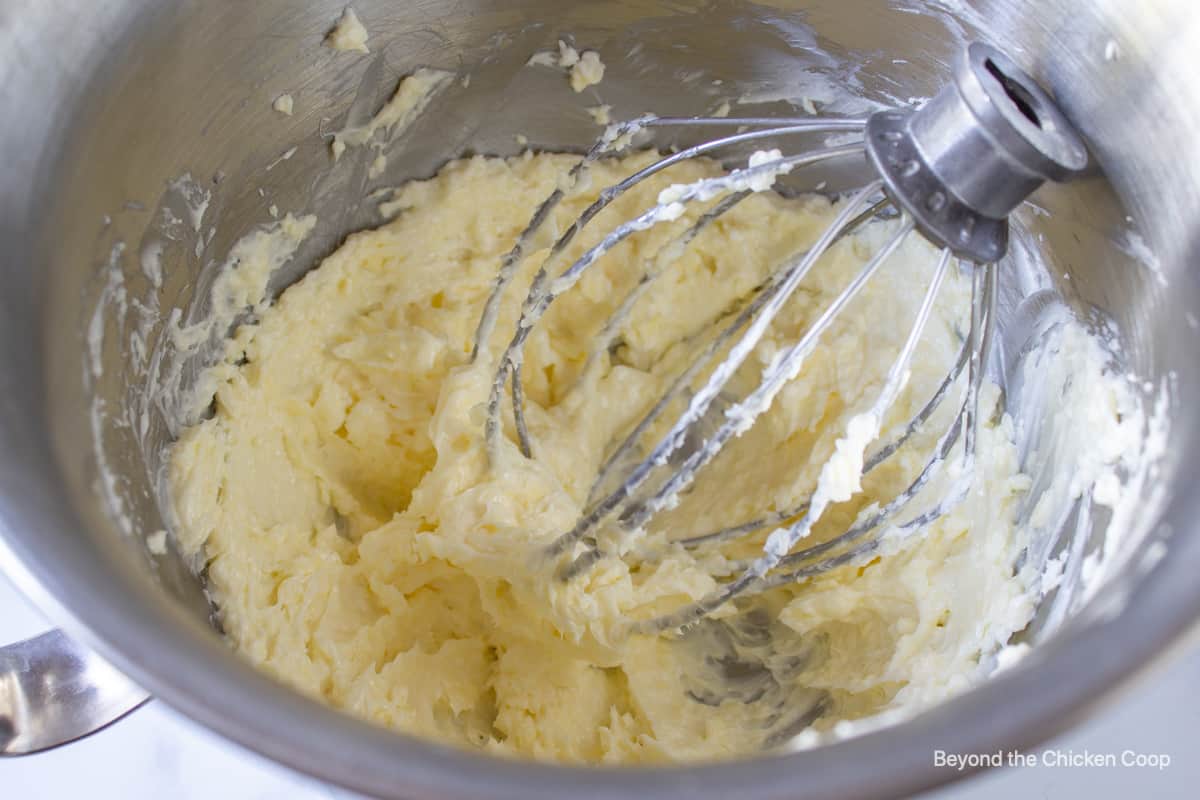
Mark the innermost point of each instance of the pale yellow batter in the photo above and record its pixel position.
(361, 548)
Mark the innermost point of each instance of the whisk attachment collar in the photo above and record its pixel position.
(963, 161)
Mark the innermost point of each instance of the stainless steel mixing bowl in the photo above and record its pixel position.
(106, 101)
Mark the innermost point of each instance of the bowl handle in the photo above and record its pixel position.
(53, 691)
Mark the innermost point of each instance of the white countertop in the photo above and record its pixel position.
(157, 753)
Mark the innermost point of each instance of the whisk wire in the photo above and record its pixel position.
(772, 288)
(657, 266)
(543, 291)
(878, 457)
(702, 399)
(983, 312)
(782, 540)
(784, 369)
(615, 138)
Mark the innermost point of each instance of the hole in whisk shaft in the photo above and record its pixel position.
(1021, 97)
